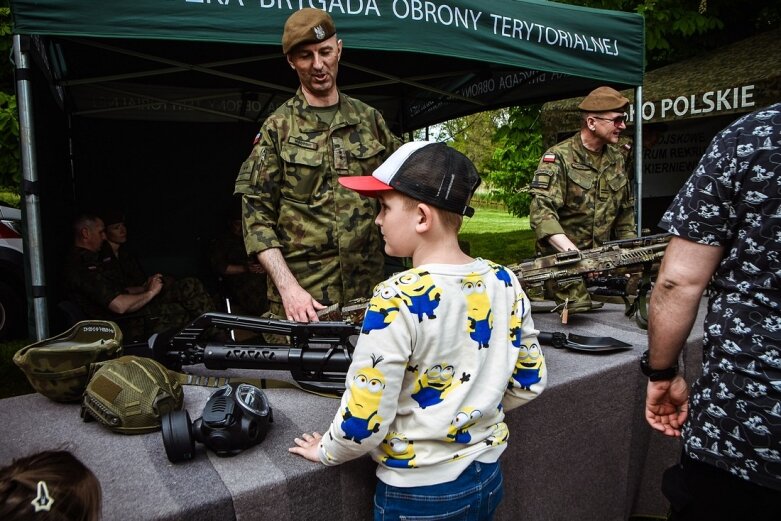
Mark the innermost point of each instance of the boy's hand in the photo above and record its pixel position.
(308, 446)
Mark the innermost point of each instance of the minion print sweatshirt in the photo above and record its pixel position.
(444, 351)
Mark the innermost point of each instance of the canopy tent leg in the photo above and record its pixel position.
(30, 189)
(638, 156)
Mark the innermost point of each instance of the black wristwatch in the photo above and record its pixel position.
(656, 374)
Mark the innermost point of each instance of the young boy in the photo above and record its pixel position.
(445, 348)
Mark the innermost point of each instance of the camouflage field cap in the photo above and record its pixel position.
(129, 395)
(59, 367)
(309, 25)
(603, 99)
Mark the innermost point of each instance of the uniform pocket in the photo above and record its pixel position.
(302, 172)
(359, 157)
(583, 177)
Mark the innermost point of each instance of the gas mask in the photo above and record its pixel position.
(236, 417)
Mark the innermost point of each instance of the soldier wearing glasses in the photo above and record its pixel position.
(581, 195)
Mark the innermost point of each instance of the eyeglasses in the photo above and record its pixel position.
(616, 120)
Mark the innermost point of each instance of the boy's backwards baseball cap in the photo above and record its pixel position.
(308, 25)
(432, 173)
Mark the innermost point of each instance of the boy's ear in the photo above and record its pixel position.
(424, 218)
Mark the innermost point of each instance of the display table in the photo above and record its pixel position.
(582, 450)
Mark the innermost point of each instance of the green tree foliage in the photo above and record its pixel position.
(472, 135)
(517, 149)
(10, 174)
(678, 29)
(675, 30)
(9, 141)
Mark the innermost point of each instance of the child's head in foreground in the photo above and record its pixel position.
(50, 486)
(422, 187)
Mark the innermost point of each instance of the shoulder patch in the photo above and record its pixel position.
(256, 140)
(549, 158)
(541, 180)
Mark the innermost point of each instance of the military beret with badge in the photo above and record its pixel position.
(308, 25)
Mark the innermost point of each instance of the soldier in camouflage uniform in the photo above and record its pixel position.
(93, 280)
(243, 279)
(316, 240)
(582, 196)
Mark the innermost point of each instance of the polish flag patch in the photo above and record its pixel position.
(549, 158)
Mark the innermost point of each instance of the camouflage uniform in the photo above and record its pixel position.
(247, 291)
(589, 204)
(293, 201)
(92, 281)
(124, 269)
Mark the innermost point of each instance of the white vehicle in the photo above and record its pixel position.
(13, 300)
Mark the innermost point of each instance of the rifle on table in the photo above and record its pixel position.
(317, 354)
(614, 258)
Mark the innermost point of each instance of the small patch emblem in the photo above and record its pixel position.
(549, 158)
(319, 32)
(541, 180)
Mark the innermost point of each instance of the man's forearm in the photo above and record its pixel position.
(561, 242)
(685, 272)
(276, 267)
(129, 303)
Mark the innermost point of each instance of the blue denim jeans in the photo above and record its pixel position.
(473, 496)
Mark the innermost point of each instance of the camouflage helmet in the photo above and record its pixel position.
(58, 367)
(129, 395)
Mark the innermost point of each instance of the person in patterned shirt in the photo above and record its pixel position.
(726, 222)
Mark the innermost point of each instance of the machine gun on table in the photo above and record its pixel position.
(318, 353)
(615, 257)
(612, 261)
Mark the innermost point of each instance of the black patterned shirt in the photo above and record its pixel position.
(733, 200)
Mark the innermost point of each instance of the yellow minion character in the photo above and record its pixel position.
(419, 292)
(399, 451)
(478, 309)
(383, 308)
(435, 384)
(458, 431)
(360, 419)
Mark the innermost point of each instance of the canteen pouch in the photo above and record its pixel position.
(59, 367)
(129, 395)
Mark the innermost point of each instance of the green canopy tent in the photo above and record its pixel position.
(180, 82)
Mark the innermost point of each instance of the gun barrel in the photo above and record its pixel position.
(327, 360)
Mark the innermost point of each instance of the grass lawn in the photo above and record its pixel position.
(498, 236)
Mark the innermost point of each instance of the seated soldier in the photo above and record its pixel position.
(94, 280)
(243, 278)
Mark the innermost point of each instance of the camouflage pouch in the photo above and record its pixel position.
(58, 367)
(129, 395)
(573, 292)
